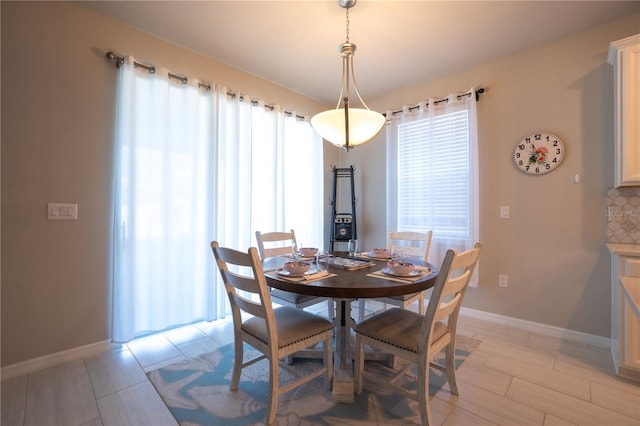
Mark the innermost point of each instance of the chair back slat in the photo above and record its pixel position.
(456, 284)
(446, 308)
(272, 244)
(467, 259)
(242, 282)
(249, 306)
(412, 244)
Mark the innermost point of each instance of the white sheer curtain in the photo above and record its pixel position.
(432, 172)
(193, 165)
(271, 175)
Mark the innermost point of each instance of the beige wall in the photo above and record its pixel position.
(553, 246)
(58, 100)
(57, 128)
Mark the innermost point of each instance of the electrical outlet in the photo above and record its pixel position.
(503, 280)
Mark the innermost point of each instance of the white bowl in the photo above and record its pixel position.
(381, 252)
(296, 268)
(308, 251)
(401, 268)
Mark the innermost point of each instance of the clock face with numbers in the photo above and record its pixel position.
(539, 153)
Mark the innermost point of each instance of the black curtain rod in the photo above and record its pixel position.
(119, 61)
(476, 92)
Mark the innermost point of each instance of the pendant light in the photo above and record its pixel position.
(346, 127)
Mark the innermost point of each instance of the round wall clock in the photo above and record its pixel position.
(539, 153)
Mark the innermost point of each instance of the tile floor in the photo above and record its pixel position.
(514, 377)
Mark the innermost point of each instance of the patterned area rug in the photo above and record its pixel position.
(197, 393)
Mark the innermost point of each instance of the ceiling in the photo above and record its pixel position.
(400, 43)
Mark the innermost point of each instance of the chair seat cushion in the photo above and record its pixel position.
(292, 298)
(294, 325)
(405, 297)
(398, 327)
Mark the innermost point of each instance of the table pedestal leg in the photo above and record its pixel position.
(343, 364)
(343, 353)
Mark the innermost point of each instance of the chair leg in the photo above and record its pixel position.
(423, 393)
(274, 387)
(358, 365)
(328, 361)
(331, 311)
(361, 309)
(450, 365)
(421, 304)
(391, 361)
(237, 364)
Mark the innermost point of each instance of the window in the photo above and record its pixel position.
(432, 173)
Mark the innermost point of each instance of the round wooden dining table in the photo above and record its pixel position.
(345, 286)
(356, 284)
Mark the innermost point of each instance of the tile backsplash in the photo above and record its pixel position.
(623, 215)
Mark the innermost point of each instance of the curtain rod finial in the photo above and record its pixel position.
(117, 60)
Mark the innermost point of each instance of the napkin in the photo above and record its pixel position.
(316, 275)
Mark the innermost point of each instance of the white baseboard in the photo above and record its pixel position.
(35, 364)
(548, 330)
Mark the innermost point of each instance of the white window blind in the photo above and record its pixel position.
(433, 175)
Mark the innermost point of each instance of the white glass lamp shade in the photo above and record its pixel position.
(364, 125)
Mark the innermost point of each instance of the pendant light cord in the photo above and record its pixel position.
(347, 20)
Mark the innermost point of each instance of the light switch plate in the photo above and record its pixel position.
(504, 212)
(62, 211)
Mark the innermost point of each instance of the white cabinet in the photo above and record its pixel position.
(625, 309)
(624, 55)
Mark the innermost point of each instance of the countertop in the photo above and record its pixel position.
(624, 249)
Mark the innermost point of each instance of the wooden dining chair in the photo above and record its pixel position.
(273, 244)
(276, 333)
(412, 245)
(418, 338)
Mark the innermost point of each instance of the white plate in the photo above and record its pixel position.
(307, 257)
(413, 273)
(376, 256)
(289, 274)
